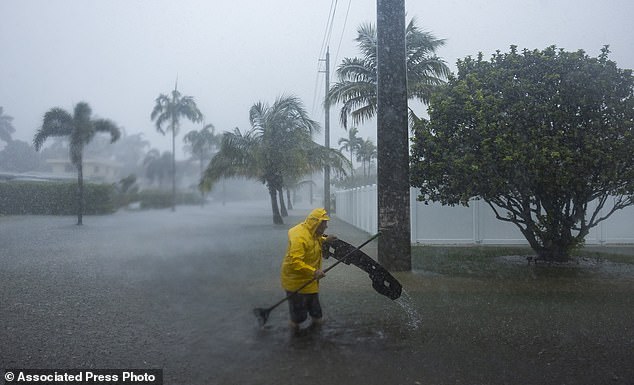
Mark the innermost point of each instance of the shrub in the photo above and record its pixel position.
(54, 198)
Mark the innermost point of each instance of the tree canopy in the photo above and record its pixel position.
(543, 136)
(80, 128)
(357, 77)
(276, 150)
(167, 112)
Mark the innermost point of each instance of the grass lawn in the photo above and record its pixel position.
(502, 320)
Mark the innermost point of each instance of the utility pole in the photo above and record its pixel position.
(394, 247)
(327, 132)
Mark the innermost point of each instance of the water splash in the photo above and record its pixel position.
(413, 318)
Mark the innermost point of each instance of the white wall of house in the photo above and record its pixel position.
(476, 224)
(94, 169)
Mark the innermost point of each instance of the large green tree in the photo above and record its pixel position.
(356, 87)
(167, 112)
(543, 136)
(278, 145)
(80, 128)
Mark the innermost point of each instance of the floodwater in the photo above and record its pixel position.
(175, 291)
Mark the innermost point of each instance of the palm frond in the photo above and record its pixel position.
(357, 77)
(57, 122)
(107, 126)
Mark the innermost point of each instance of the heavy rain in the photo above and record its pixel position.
(155, 154)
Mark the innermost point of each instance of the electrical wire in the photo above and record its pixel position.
(324, 45)
(343, 30)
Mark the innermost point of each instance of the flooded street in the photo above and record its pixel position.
(157, 289)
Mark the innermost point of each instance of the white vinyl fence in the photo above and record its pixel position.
(476, 224)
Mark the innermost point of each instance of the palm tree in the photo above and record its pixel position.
(168, 110)
(277, 146)
(6, 128)
(81, 129)
(356, 87)
(365, 153)
(202, 144)
(351, 144)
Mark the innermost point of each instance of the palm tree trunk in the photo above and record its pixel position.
(394, 247)
(202, 193)
(224, 192)
(80, 192)
(288, 199)
(351, 164)
(277, 218)
(282, 205)
(173, 168)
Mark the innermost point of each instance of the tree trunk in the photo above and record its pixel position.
(173, 168)
(80, 192)
(224, 192)
(277, 218)
(351, 164)
(551, 242)
(394, 249)
(282, 205)
(202, 193)
(288, 199)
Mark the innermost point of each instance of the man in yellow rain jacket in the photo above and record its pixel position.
(302, 263)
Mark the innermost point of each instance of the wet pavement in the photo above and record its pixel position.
(156, 289)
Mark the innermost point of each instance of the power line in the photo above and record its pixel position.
(343, 30)
(324, 45)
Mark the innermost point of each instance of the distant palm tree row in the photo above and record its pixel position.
(364, 149)
(278, 149)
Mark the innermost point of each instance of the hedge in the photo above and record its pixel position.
(54, 198)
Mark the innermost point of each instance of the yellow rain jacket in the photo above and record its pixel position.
(303, 255)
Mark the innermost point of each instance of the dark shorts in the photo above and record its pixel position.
(300, 305)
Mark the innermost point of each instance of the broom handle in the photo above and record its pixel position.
(326, 270)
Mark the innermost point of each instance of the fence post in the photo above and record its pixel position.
(413, 217)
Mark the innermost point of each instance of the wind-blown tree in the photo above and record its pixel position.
(203, 143)
(357, 77)
(545, 138)
(351, 144)
(276, 145)
(157, 165)
(6, 127)
(167, 113)
(80, 128)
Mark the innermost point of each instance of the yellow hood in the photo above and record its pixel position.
(314, 219)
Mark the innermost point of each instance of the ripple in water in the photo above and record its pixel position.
(413, 318)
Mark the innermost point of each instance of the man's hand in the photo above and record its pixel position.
(319, 274)
(330, 238)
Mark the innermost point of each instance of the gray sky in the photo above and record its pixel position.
(119, 55)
